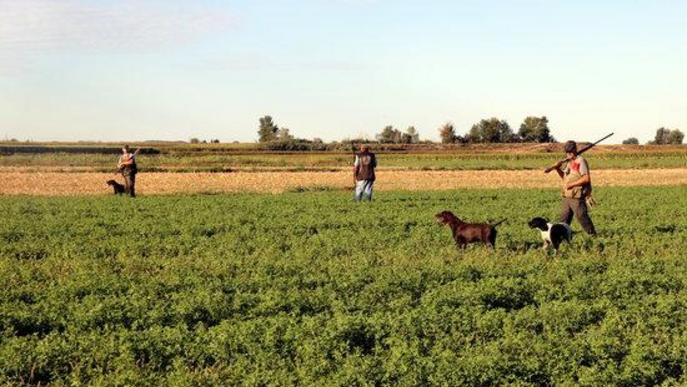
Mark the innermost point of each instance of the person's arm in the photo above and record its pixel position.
(558, 169)
(356, 167)
(560, 173)
(129, 160)
(119, 165)
(584, 180)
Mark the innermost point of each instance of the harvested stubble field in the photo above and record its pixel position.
(88, 183)
(312, 289)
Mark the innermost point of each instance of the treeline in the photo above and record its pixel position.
(272, 137)
(492, 130)
(664, 136)
(487, 131)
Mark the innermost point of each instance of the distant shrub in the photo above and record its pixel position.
(665, 136)
(293, 145)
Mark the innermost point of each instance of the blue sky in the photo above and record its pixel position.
(136, 70)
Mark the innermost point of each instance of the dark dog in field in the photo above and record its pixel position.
(464, 233)
(553, 234)
(118, 188)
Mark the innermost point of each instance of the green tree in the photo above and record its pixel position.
(389, 135)
(662, 136)
(631, 141)
(535, 129)
(675, 137)
(447, 133)
(284, 134)
(412, 135)
(268, 129)
(665, 136)
(492, 130)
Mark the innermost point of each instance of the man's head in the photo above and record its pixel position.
(125, 149)
(364, 148)
(570, 149)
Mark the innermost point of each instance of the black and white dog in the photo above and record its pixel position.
(553, 234)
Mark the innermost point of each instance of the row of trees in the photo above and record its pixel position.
(667, 136)
(492, 130)
(196, 140)
(664, 136)
(276, 138)
(390, 135)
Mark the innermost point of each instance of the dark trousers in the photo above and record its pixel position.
(130, 184)
(577, 207)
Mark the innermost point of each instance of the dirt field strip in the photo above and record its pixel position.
(65, 184)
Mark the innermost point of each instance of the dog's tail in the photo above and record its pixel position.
(497, 223)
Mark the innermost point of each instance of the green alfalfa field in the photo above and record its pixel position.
(312, 289)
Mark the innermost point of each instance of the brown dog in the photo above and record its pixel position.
(118, 188)
(464, 233)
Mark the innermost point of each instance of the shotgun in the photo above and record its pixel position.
(579, 152)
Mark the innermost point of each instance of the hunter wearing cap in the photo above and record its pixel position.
(364, 173)
(127, 167)
(577, 188)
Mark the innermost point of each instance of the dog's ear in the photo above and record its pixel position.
(538, 222)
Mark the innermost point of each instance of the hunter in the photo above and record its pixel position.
(577, 188)
(127, 167)
(364, 173)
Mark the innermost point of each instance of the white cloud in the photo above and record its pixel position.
(29, 28)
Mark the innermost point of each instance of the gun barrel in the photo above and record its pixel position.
(588, 147)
